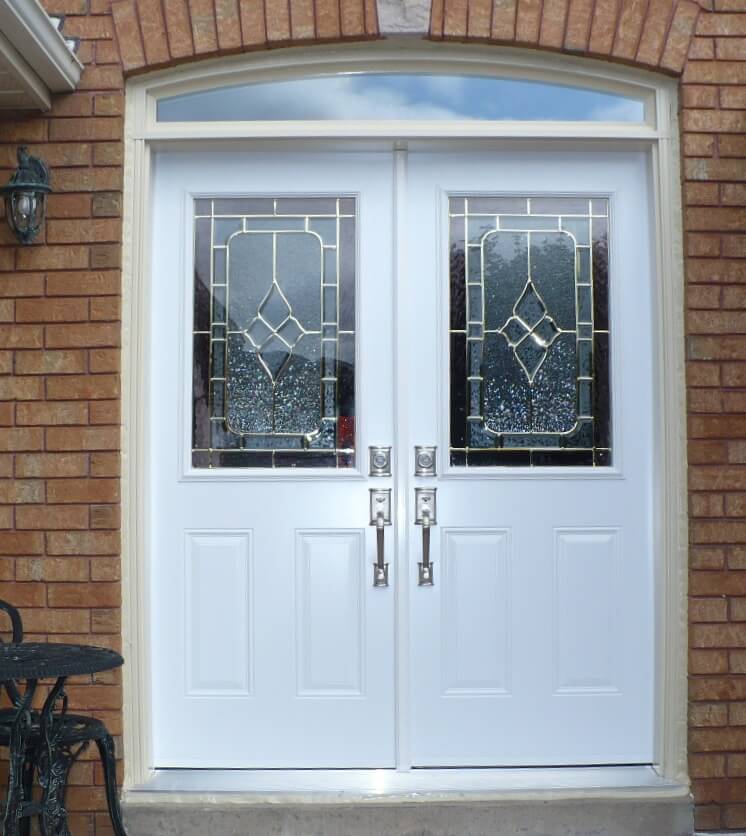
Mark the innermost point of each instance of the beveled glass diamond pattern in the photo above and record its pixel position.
(530, 307)
(530, 331)
(274, 332)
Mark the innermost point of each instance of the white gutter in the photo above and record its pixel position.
(34, 37)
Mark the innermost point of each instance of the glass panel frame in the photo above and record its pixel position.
(487, 327)
(245, 335)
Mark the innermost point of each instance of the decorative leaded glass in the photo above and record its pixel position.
(274, 332)
(529, 331)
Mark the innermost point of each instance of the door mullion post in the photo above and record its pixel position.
(401, 460)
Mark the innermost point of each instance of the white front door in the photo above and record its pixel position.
(534, 646)
(306, 307)
(270, 646)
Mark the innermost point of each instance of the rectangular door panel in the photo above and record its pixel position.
(587, 611)
(218, 582)
(476, 612)
(330, 569)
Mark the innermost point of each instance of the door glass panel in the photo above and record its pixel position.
(274, 332)
(421, 96)
(529, 331)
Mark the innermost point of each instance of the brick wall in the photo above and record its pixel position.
(59, 308)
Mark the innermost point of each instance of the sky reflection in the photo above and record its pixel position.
(376, 97)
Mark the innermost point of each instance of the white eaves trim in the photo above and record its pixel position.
(40, 57)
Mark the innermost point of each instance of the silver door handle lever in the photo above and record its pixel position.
(380, 517)
(425, 516)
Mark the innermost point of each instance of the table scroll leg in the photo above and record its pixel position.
(54, 765)
(106, 750)
(17, 764)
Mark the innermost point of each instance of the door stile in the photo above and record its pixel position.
(401, 465)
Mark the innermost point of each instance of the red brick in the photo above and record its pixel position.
(204, 36)
(43, 465)
(21, 439)
(50, 414)
(74, 232)
(277, 17)
(708, 610)
(83, 490)
(52, 258)
(302, 21)
(701, 714)
(715, 72)
(81, 438)
(128, 35)
(52, 569)
(86, 595)
(104, 360)
(718, 635)
(82, 336)
(105, 464)
(528, 21)
(69, 206)
(721, 24)
(504, 19)
(83, 543)
(105, 516)
(50, 362)
(328, 24)
(21, 388)
(21, 542)
(90, 283)
(105, 569)
(654, 32)
(707, 766)
(52, 516)
(85, 387)
(553, 17)
(629, 29)
(679, 35)
(603, 26)
(252, 23)
(708, 661)
(21, 336)
(49, 621)
(153, 28)
(578, 25)
(21, 491)
(51, 310)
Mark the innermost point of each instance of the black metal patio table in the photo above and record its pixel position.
(47, 743)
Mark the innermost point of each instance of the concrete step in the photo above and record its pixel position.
(579, 817)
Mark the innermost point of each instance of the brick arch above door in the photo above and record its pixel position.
(656, 34)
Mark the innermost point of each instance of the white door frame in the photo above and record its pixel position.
(658, 135)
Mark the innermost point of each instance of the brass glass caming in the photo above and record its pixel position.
(529, 331)
(274, 332)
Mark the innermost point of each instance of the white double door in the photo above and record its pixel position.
(271, 648)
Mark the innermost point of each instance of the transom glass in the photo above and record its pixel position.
(396, 96)
(529, 331)
(274, 332)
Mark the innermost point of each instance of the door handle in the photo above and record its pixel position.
(380, 517)
(425, 515)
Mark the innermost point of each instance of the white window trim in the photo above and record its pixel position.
(668, 777)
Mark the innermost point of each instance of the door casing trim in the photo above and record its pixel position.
(660, 137)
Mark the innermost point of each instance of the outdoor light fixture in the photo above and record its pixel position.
(26, 197)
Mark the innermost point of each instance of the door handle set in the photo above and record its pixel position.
(380, 511)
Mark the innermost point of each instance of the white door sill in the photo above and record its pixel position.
(392, 786)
